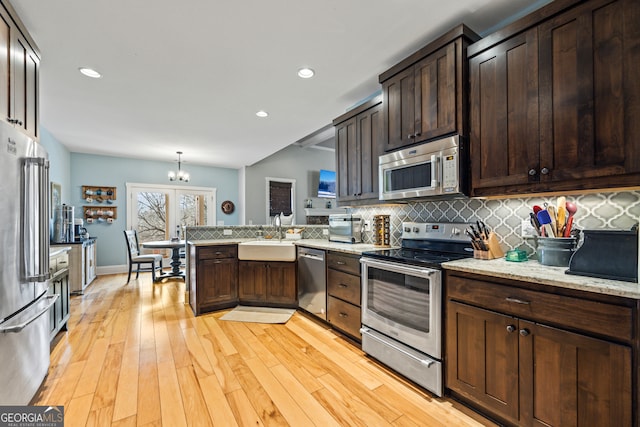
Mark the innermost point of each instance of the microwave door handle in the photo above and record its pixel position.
(434, 171)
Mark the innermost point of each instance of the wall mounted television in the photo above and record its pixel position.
(327, 184)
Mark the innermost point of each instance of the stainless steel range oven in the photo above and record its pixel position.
(402, 300)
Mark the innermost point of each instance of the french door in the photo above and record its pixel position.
(160, 212)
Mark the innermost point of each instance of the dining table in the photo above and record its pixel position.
(175, 246)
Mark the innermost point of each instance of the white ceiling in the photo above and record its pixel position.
(190, 75)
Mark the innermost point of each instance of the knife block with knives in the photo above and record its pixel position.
(493, 249)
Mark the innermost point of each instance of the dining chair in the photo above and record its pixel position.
(154, 260)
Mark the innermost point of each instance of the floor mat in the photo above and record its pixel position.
(259, 314)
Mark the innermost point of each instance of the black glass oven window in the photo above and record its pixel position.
(400, 298)
(409, 177)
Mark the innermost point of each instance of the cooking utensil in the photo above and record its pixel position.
(536, 209)
(572, 208)
(552, 214)
(561, 216)
(534, 221)
(545, 223)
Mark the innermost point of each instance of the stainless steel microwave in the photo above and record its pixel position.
(432, 169)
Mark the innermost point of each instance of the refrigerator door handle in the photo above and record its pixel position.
(18, 323)
(36, 219)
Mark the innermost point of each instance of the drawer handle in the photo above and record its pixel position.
(340, 262)
(342, 285)
(511, 328)
(517, 301)
(343, 315)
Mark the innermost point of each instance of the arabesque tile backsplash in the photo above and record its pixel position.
(614, 210)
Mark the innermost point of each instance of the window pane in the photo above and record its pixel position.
(152, 216)
(192, 210)
(279, 198)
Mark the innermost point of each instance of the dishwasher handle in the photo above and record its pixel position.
(310, 256)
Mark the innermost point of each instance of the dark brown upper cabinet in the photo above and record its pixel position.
(359, 142)
(554, 101)
(424, 96)
(19, 68)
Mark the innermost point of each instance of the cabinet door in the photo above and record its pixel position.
(482, 358)
(281, 283)
(217, 281)
(25, 85)
(589, 92)
(252, 281)
(504, 114)
(399, 110)
(347, 161)
(370, 147)
(435, 94)
(573, 380)
(6, 108)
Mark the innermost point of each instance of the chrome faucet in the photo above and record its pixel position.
(277, 221)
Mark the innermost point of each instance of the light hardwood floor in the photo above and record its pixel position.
(135, 355)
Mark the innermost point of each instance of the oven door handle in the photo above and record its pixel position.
(427, 362)
(399, 268)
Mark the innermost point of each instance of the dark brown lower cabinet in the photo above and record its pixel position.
(527, 373)
(267, 283)
(213, 283)
(344, 293)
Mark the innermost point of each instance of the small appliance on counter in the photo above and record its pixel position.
(345, 228)
(63, 224)
(79, 230)
(607, 254)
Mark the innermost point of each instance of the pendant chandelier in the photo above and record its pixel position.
(180, 175)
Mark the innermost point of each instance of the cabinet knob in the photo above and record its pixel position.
(343, 315)
(544, 171)
(416, 134)
(511, 328)
(524, 332)
(532, 172)
(411, 136)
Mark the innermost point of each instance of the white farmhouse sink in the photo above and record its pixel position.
(267, 250)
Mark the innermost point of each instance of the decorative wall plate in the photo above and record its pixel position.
(228, 207)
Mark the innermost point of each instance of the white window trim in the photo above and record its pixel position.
(130, 186)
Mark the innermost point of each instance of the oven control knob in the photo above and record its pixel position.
(407, 229)
(455, 231)
(416, 229)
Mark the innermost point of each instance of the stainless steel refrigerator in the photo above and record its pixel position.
(24, 266)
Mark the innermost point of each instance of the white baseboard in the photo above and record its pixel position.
(112, 269)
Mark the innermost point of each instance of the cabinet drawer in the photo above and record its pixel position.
(344, 316)
(344, 286)
(574, 313)
(344, 262)
(214, 252)
(58, 263)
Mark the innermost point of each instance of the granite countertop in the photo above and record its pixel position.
(533, 271)
(53, 252)
(351, 248)
(356, 248)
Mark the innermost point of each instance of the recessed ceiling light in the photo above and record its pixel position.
(306, 73)
(90, 72)
(262, 113)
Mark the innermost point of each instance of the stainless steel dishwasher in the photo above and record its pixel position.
(312, 281)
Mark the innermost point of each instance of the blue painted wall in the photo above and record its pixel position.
(60, 161)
